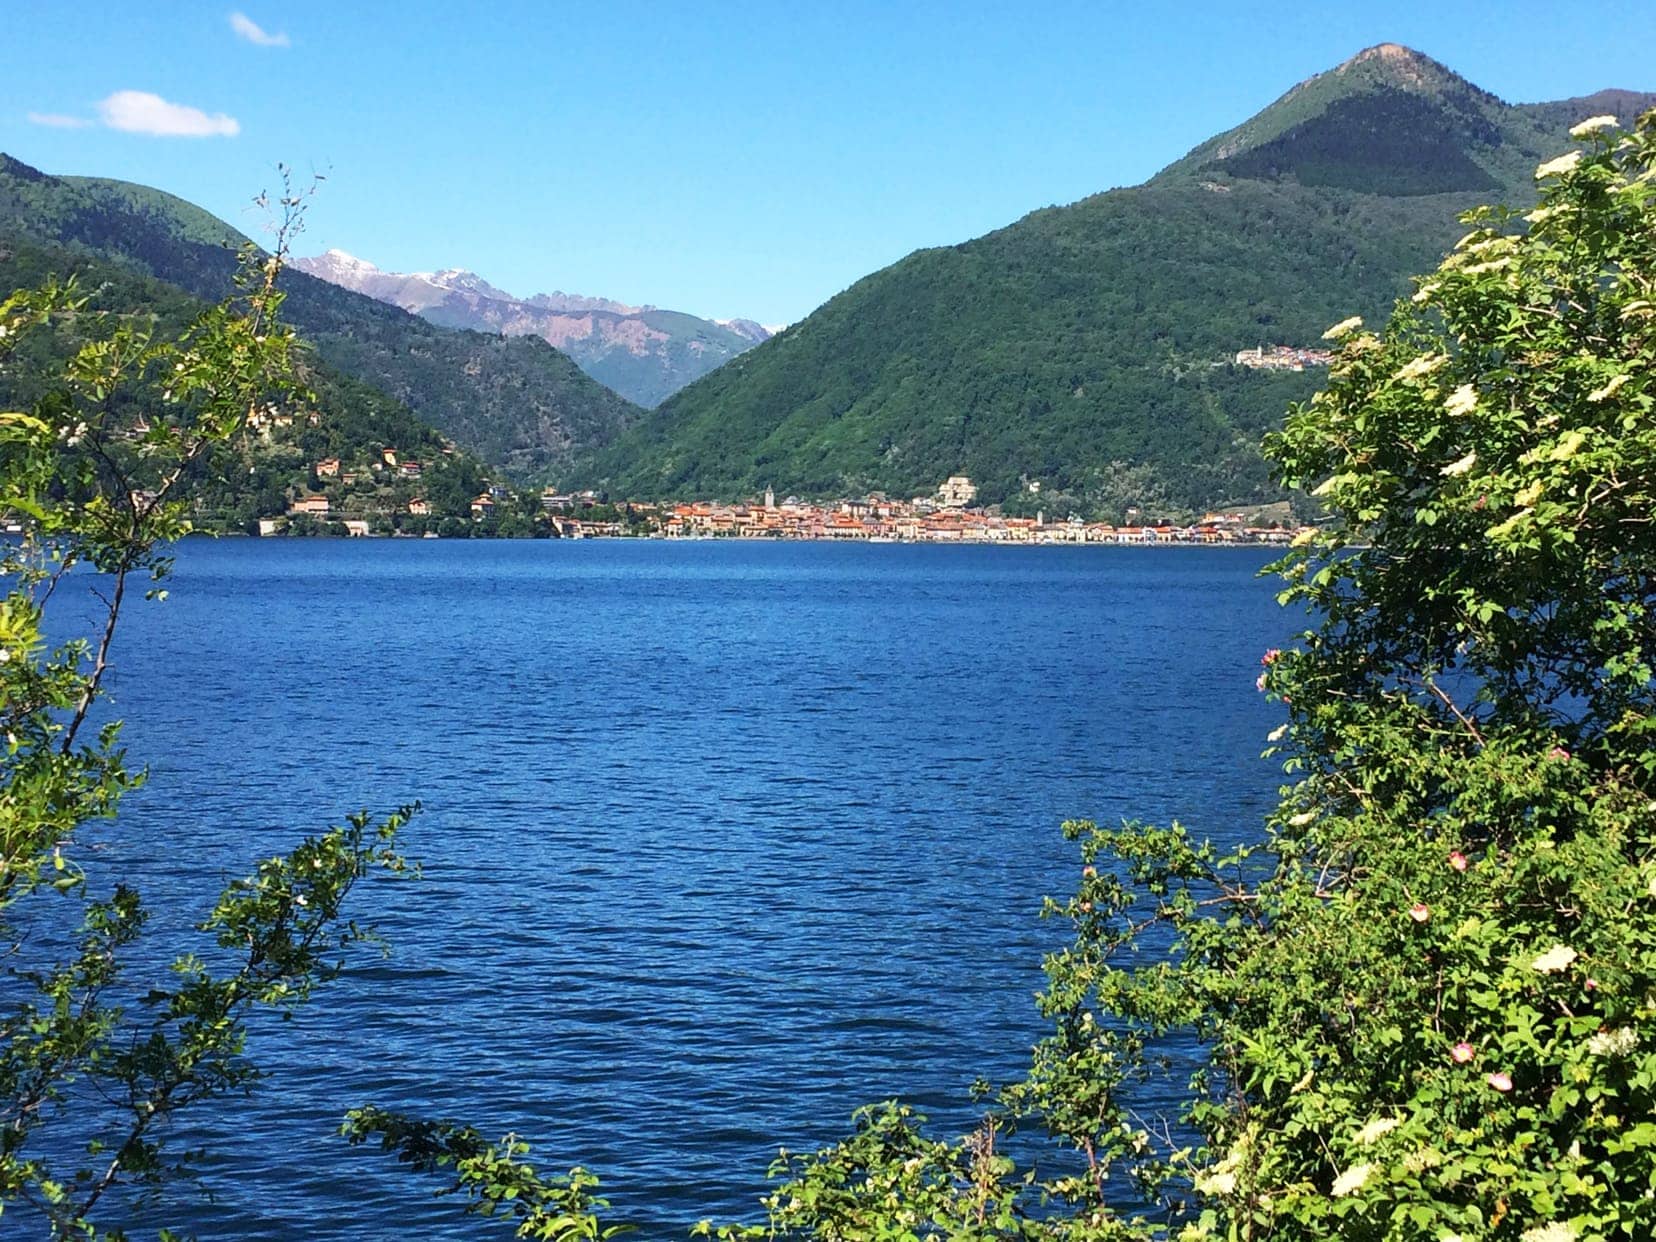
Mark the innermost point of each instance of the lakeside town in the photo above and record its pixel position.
(950, 515)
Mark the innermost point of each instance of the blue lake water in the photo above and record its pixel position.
(721, 840)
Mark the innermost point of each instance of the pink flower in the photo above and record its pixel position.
(1558, 752)
(1461, 1052)
(1591, 985)
(1259, 683)
(1089, 871)
(1457, 860)
(1420, 912)
(1271, 656)
(1501, 1082)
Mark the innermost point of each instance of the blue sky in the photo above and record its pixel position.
(724, 159)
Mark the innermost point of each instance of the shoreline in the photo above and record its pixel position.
(1139, 545)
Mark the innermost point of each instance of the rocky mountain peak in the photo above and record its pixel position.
(345, 261)
(644, 354)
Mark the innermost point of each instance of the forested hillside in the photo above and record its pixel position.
(518, 403)
(275, 463)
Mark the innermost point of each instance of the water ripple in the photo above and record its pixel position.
(720, 840)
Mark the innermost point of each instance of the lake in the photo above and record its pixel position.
(720, 840)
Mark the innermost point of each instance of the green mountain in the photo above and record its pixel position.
(275, 463)
(518, 403)
(1090, 349)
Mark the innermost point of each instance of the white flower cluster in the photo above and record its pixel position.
(1464, 400)
(1558, 167)
(1552, 1231)
(1221, 1178)
(1592, 125)
(1555, 960)
(1616, 1043)
(1374, 1129)
(1609, 390)
(1460, 467)
(1424, 365)
(1352, 1180)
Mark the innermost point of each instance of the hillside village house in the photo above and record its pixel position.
(314, 506)
(957, 492)
(1282, 358)
(419, 507)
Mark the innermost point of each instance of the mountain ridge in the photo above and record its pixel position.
(645, 353)
(518, 403)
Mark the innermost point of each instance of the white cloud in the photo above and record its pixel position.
(139, 112)
(246, 28)
(58, 120)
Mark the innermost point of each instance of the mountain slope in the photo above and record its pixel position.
(1090, 348)
(264, 471)
(518, 403)
(642, 352)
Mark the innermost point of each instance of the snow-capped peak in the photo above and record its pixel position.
(344, 259)
(463, 280)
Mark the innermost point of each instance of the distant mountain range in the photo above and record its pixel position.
(642, 352)
(1085, 357)
(519, 404)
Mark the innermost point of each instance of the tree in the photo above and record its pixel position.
(95, 1063)
(1454, 954)
(1427, 995)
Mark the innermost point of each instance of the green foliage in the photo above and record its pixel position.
(95, 1060)
(1461, 912)
(558, 1208)
(891, 1182)
(257, 473)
